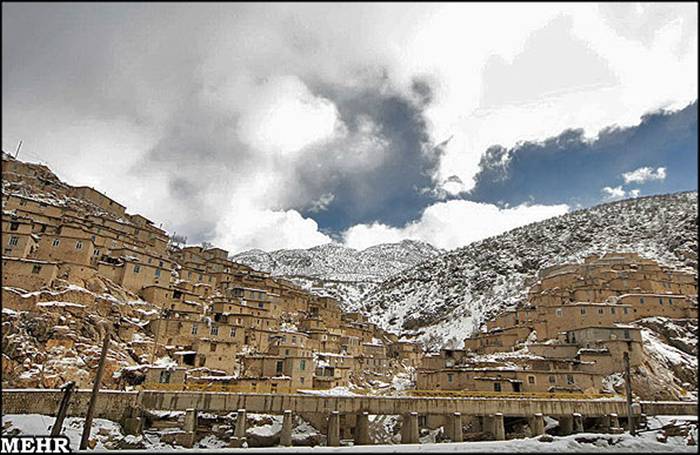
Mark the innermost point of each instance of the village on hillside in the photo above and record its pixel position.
(187, 318)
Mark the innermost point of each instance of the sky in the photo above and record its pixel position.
(293, 125)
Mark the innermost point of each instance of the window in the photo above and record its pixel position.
(14, 226)
(279, 367)
(177, 294)
(558, 312)
(612, 310)
(93, 238)
(583, 311)
(497, 386)
(286, 352)
(302, 365)
(212, 347)
(137, 268)
(200, 276)
(449, 377)
(261, 305)
(301, 379)
(195, 327)
(157, 272)
(164, 377)
(626, 333)
(600, 311)
(569, 378)
(160, 263)
(670, 301)
(36, 268)
(625, 310)
(79, 245)
(661, 301)
(530, 379)
(214, 330)
(552, 379)
(641, 300)
(294, 340)
(233, 332)
(13, 241)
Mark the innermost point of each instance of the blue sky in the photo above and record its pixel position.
(292, 125)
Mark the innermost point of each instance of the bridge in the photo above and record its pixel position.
(126, 407)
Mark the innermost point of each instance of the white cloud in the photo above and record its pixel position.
(453, 224)
(634, 193)
(285, 117)
(644, 174)
(612, 193)
(322, 203)
(248, 68)
(244, 227)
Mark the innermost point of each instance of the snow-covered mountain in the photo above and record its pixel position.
(337, 270)
(445, 299)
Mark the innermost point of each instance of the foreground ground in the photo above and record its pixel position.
(679, 432)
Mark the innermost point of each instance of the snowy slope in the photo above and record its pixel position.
(444, 299)
(337, 270)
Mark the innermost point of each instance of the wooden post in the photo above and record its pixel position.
(62, 408)
(95, 390)
(628, 390)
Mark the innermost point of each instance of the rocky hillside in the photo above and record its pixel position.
(337, 270)
(445, 299)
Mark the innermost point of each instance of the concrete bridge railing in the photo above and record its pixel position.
(113, 404)
(126, 407)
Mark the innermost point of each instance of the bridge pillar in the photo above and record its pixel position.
(133, 421)
(362, 429)
(239, 436)
(614, 423)
(536, 423)
(578, 422)
(409, 429)
(633, 421)
(190, 425)
(455, 422)
(499, 429)
(286, 435)
(333, 438)
(494, 424)
(566, 425)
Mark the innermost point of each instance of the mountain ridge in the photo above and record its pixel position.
(444, 299)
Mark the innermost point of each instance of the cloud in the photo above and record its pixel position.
(178, 109)
(244, 227)
(453, 224)
(570, 168)
(644, 174)
(322, 203)
(613, 193)
(286, 117)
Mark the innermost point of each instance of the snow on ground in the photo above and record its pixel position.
(334, 392)
(666, 353)
(107, 433)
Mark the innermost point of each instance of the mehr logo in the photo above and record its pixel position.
(35, 444)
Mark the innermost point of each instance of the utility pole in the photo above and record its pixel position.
(628, 389)
(63, 408)
(95, 390)
(19, 146)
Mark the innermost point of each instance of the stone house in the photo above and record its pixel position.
(28, 274)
